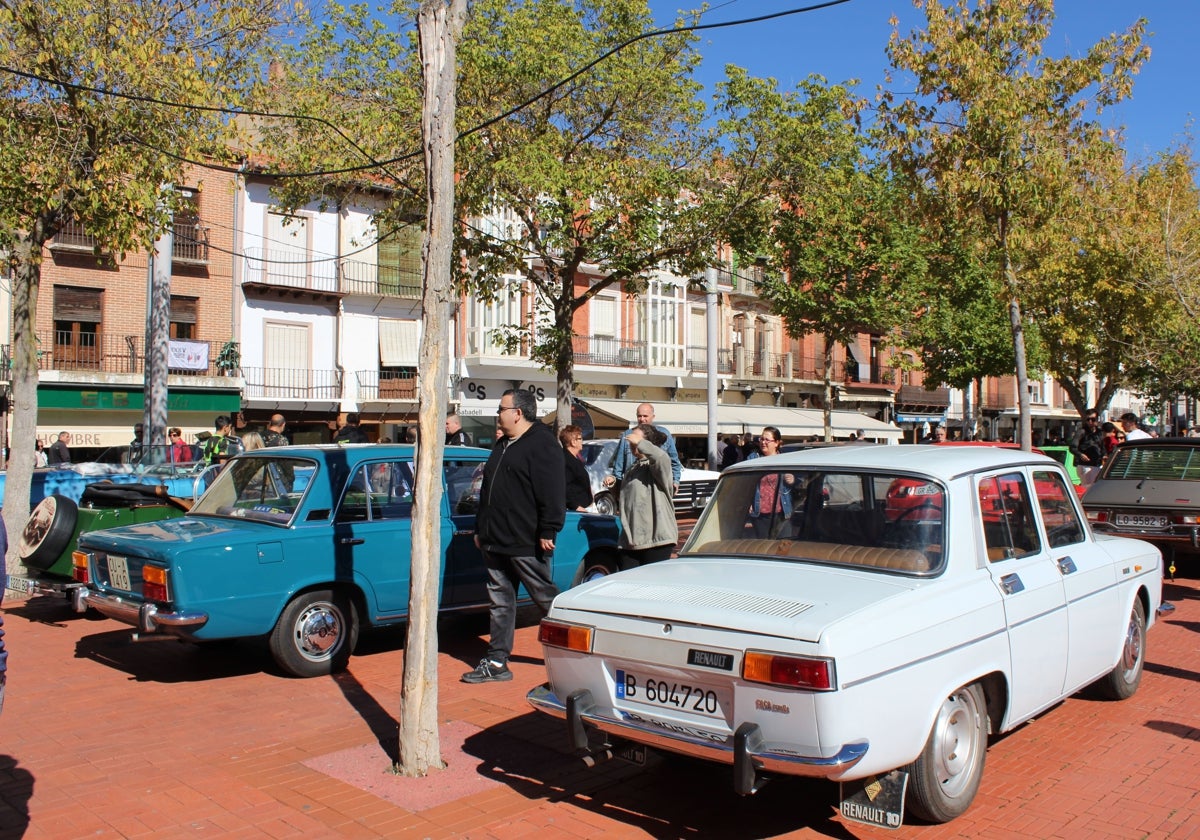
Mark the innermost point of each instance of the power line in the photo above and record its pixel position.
(376, 164)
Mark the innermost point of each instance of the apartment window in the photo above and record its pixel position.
(287, 360)
(183, 317)
(664, 324)
(399, 254)
(287, 250)
(77, 326)
(190, 237)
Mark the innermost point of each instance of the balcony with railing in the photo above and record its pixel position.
(100, 352)
(386, 385)
(289, 270)
(697, 360)
(291, 383)
(189, 240)
(356, 277)
(917, 395)
(611, 352)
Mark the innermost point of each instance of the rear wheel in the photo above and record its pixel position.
(594, 567)
(1122, 681)
(946, 776)
(48, 531)
(315, 634)
(605, 503)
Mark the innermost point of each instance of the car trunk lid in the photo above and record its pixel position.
(772, 598)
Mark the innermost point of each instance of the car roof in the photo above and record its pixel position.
(360, 451)
(1160, 441)
(942, 462)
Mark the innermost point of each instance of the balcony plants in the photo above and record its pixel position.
(229, 359)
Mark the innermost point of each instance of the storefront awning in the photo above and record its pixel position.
(692, 419)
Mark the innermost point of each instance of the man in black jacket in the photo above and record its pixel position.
(522, 508)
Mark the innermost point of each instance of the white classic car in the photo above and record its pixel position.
(862, 614)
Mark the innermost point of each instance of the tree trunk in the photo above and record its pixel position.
(827, 409)
(438, 26)
(27, 258)
(564, 361)
(1025, 427)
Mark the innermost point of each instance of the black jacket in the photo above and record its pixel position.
(579, 483)
(523, 498)
(350, 434)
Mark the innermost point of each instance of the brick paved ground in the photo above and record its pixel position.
(104, 739)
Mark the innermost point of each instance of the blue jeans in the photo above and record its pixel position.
(505, 573)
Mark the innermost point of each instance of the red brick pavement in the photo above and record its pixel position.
(101, 738)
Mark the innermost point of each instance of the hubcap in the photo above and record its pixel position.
(956, 742)
(318, 631)
(1131, 654)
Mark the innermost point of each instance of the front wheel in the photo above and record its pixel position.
(315, 634)
(1122, 681)
(946, 776)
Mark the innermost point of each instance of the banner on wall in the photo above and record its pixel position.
(187, 355)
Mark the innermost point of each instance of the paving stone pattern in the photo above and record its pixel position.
(101, 738)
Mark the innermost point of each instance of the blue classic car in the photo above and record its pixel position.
(303, 545)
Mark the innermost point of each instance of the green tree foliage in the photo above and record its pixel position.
(1163, 357)
(834, 225)
(608, 178)
(998, 131)
(70, 152)
(346, 98)
(1085, 298)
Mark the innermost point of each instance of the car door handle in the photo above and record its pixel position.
(1011, 584)
(466, 532)
(1067, 566)
(352, 541)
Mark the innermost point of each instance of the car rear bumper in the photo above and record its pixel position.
(1182, 538)
(746, 749)
(147, 618)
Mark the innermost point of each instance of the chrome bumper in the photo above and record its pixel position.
(145, 617)
(745, 749)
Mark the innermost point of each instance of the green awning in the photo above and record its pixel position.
(122, 399)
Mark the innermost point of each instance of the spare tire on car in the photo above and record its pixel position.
(47, 531)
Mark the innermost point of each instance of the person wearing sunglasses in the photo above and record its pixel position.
(1088, 444)
(773, 497)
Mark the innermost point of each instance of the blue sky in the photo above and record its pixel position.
(848, 41)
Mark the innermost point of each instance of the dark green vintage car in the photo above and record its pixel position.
(45, 544)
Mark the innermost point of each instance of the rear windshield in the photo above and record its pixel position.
(877, 520)
(1179, 463)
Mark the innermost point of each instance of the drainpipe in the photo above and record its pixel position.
(341, 311)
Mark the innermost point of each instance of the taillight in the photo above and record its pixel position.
(789, 671)
(1097, 515)
(79, 566)
(154, 584)
(1185, 519)
(568, 636)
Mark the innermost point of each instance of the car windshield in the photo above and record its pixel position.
(1172, 463)
(879, 520)
(268, 489)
